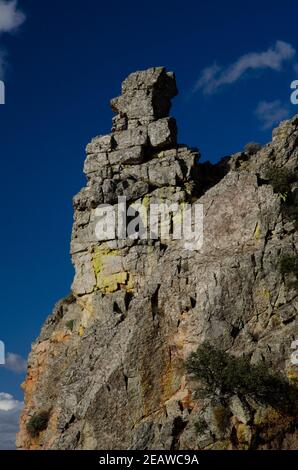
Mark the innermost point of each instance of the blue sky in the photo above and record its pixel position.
(62, 61)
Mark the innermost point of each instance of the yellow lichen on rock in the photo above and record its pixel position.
(257, 232)
(109, 272)
(244, 435)
(292, 374)
(81, 330)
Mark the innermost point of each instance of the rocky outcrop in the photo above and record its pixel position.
(108, 366)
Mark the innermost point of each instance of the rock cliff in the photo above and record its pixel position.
(108, 369)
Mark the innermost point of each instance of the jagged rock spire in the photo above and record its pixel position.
(139, 158)
(146, 96)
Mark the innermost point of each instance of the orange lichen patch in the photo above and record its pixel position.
(37, 442)
(52, 429)
(38, 359)
(41, 354)
(173, 380)
(170, 383)
(219, 445)
(159, 383)
(35, 371)
(60, 337)
(180, 337)
(187, 401)
(271, 422)
(244, 435)
(292, 374)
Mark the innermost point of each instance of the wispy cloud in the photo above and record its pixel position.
(15, 363)
(215, 76)
(270, 113)
(11, 18)
(9, 420)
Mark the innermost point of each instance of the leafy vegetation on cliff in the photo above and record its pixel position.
(222, 375)
(37, 423)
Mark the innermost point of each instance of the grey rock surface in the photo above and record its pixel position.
(109, 362)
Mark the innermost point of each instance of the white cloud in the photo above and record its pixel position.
(15, 363)
(214, 76)
(270, 113)
(9, 420)
(10, 16)
(7, 402)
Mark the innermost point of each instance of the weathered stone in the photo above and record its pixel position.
(119, 123)
(109, 362)
(132, 189)
(130, 137)
(130, 156)
(109, 191)
(95, 162)
(240, 409)
(163, 133)
(146, 95)
(164, 172)
(88, 197)
(84, 280)
(99, 144)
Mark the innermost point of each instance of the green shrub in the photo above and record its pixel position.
(37, 423)
(222, 417)
(289, 265)
(290, 211)
(201, 426)
(222, 375)
(281, 179)
(69, 324)
(252, 148)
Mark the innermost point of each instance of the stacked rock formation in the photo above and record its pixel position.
(108, 366)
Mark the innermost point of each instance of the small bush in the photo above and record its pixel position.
(289, 265)
(37, 423)
(290, 211)
(281, 179)
(222, 417)
(252, 148)
(69, 299)
(201, 426)
(223, 375)
(69, 324)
